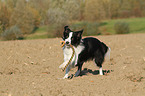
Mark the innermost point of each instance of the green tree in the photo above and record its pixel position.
(12, 33)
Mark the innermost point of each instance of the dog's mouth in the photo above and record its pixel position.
(68, 45)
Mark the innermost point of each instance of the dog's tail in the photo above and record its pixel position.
(107, 55)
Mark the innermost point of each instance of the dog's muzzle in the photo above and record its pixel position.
(67, 42)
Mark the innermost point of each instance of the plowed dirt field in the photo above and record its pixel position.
(30, 68)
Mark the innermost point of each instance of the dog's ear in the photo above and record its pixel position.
(66, 32)
(66, 29)
(80, 33)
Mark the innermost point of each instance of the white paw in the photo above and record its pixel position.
(101, 73)
(66, 76)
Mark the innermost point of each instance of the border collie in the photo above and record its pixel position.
(85, 49)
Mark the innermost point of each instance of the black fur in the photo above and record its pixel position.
(66, 32)
(94, 49)
(76, 38)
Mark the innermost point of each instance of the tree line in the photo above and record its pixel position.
(26, 16)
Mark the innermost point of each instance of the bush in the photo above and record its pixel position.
(12, 33)
(121, 27)
(90, 28)
(1, 28)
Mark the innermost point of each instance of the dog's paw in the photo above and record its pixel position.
(66, 76)
(71, 76)
(77, 73)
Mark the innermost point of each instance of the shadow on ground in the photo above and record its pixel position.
(95, 72)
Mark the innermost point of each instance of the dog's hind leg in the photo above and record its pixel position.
(99, 64)
(78, 72)
(100, 71)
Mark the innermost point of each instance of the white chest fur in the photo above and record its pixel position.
(67, 51)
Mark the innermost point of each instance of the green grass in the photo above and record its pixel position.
(137, 25)
(40, 33)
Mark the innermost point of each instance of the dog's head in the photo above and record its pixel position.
(71, 37)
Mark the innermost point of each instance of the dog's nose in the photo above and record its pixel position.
(67, 42)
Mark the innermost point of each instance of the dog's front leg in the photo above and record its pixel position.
(67, 72)
(79, 69)
(66, 60)
(76, 60)
(63, 64)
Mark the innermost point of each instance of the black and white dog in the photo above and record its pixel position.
(85, 49)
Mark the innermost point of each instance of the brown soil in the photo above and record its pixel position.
(30, 68)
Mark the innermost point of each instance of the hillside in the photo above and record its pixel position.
(136, 25)
(30, 68)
